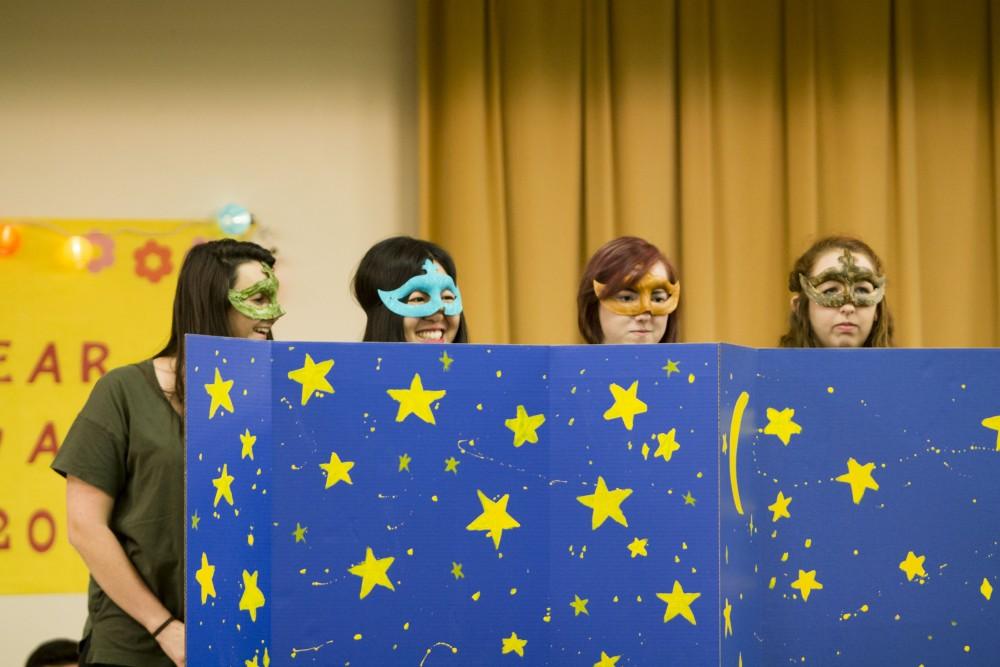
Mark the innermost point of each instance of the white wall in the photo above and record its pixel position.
(303, 111)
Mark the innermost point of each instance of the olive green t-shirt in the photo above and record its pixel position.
(127, 441)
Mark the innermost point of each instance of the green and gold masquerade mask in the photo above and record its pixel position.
(268, 287)
(850, 283)
(644, 287)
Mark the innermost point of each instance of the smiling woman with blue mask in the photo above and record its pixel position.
(408, 291)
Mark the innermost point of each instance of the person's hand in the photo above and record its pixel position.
(171, 640)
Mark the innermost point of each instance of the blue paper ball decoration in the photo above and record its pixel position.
(234, 219)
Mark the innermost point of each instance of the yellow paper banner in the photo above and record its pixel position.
(61, 328)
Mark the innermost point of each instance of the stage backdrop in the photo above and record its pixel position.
(63, 327)
(600, 505)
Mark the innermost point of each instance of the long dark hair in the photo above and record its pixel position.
(614, 263)
(387, 265)
(201, 302)
(800, 333)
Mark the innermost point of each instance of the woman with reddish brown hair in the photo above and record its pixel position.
(629, 293)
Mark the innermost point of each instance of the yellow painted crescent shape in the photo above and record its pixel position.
(734, 445)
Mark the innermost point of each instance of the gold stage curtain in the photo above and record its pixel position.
(730, 133)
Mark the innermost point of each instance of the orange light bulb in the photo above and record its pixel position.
(10, 240)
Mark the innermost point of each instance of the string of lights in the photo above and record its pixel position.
(80, 249)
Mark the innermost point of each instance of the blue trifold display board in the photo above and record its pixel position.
(384, 504)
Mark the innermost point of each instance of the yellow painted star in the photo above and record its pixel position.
(451, 465)
(679, 603)
(781, 424)
(860, 478)
(672, 367)
(779, 507)
(579, 605)
(605, 504)
(667, 445)
(627, 404)
(727, 615)
(913, 566)
(513, 644)
(986, 589)
(607, 660)
(993, 423)
(247, 441)
(446, 361)
(252, 598)
(689, 499)
(416, 400)
(404, 463)
(638, 547)
(494, 518)
(253, 663)
(218, 390)
(337, 471)
(456, 571)
(806, 583)
(223, 486)
(195, 520)
(205, 576)
(299, 533)
(373, 572)
(524, 426)
(312, 377)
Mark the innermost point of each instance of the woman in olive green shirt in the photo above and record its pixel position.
(123, 460)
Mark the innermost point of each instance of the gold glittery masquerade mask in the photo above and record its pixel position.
(657, 296)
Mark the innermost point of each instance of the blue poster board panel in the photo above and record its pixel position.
(742, 509)
(689, 504)
(496, 504)
(229, 500)
(893, 480)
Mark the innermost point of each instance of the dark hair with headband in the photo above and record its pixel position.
(800, 332)
(387, 265)
(624, 259)
(201, 302)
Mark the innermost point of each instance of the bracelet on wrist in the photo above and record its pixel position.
(163, 626)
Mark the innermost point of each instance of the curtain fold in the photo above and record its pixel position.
(730, 134)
